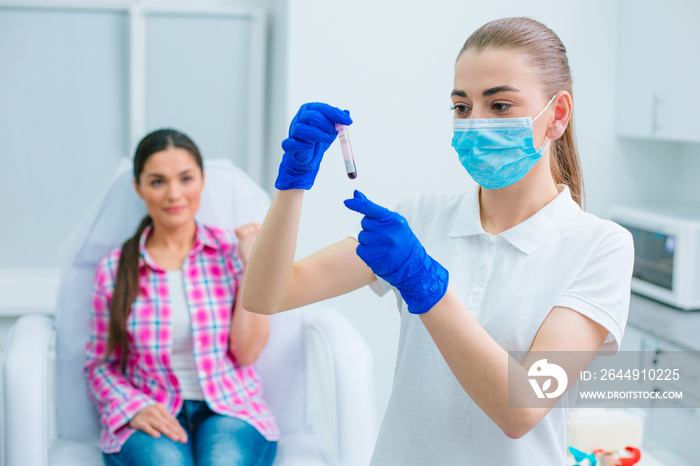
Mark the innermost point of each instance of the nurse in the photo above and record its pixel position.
(514, 265)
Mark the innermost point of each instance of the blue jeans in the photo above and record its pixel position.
(212, 439)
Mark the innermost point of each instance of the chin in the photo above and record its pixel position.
(175, 221)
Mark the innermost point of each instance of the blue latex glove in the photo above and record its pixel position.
(392, 251)
(311, 132)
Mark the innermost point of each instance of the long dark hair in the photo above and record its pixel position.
(126, 286)
(548, 58)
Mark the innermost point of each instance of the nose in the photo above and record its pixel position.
(173, 191)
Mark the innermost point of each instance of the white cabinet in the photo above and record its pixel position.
(658, 70)
(674, 429)
(633, 339)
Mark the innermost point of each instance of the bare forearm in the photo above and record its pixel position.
(478, 362)
(270, 268)
(273, 282)
(248, 335)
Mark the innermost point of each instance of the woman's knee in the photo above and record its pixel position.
(225, 440)
(143, 450)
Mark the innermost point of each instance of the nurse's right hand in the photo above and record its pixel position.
(311, 133)
(156, 420)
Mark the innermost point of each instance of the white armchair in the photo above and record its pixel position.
(315, 368)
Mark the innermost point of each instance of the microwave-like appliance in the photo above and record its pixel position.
(667, 252)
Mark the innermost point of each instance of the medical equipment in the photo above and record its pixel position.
(607, 458)
(667, 251)
(346, 148)
(389, 247)
(580, 456)
(311, 133)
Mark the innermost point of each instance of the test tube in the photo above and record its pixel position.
(346, 148)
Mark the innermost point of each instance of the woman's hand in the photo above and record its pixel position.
(156, 420)
(389, 247)
(246, 238)
(311, 132)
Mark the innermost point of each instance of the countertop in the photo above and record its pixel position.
(664, 322)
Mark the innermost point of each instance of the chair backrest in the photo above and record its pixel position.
(230, 199)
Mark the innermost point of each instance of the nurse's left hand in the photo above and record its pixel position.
(389, 247)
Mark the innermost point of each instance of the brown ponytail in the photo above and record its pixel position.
(566, 168)
(126, 286)
(547, 56)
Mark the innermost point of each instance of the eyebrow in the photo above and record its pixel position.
(497, 89)
(158, 175)
(487, 92)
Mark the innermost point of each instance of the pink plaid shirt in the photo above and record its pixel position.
(212, 273)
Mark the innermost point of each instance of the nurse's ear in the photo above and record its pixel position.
(563, 106)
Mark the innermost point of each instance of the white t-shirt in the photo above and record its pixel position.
(561, 256)
(182, 357)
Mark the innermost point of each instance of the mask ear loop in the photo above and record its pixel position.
(545, 107)
(542, 150)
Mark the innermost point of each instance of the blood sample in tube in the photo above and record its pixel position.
(346, 148)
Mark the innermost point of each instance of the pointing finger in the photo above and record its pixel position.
(360, 203)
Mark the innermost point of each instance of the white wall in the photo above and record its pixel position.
(391, 64)
(687, 186)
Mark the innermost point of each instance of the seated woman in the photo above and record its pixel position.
(168, 361)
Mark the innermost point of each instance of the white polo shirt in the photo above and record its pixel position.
(561, 256)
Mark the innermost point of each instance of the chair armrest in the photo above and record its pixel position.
(352, 377)
(25, 383)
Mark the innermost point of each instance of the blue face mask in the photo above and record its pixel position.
(497, 152)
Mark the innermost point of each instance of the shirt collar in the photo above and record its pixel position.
(203, 239)
(527, 236)
(467, 220)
